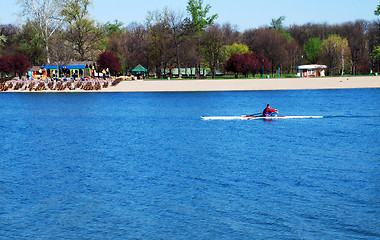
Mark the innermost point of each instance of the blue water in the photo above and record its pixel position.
(144, 166)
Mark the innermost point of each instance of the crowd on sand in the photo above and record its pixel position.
(58, 84)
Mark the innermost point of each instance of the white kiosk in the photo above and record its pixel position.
(313, 70)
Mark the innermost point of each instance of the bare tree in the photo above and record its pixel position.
(160, 47)
(61, 50)
(303, 33)
(211, 49)
(295, 54)
(8, 33)
(135, 46)
(230, 34)
(177, 30)
(270, 43)
(355, 34)
(46, 14)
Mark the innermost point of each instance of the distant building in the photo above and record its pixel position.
(71, 69)
(38, 72)
(313, 70)
(140, 72)
(191, 72)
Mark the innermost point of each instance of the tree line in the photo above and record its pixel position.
(63, 30)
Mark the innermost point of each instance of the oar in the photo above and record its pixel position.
(255, 114)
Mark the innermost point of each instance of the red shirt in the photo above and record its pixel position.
(268, 110)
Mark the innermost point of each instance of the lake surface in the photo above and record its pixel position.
(145, 166)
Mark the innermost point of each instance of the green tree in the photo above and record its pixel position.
(377, 11)
(199, 20)
(235, 48)
(312, 49)
(196, 25)
(81, 32)
(31, 44)
(113, 28)
(376, 52)
(336, 54)
(277, 25)
(3, 39)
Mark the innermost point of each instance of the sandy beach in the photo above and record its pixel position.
(237, 85)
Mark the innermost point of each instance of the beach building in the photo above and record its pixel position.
(71, 69)
(79, 69)
(38, 72)
(185, 72)
(51, 70)
(190, 72)
(313, 70)
(139, 71)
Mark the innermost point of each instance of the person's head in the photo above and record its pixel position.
(268, 106)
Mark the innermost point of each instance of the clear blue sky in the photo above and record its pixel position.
(243, 13)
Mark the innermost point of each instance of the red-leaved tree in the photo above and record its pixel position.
(18, 64)
(247, 63)
(6, 64)
(109, 60)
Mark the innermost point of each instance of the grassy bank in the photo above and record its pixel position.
(259, 76)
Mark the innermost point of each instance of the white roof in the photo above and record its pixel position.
(312, 66)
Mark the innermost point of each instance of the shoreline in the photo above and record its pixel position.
(202, 85)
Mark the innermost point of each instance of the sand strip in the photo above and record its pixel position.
(246, 84)
(238, 85)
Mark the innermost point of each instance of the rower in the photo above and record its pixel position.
(269, 111)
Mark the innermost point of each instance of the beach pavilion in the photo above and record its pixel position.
(71, 69)
(139, 71)
(313, 70)
(80, 69)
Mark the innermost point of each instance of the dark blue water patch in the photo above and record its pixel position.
(145, 166)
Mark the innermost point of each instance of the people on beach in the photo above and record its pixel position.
(269, 111)
(58, 84)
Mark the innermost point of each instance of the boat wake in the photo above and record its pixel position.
(256, 117)
(352, 116)
(243, 117)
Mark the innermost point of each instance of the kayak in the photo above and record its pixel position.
(249, 117)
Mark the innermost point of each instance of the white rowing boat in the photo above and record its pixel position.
(256, 117)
